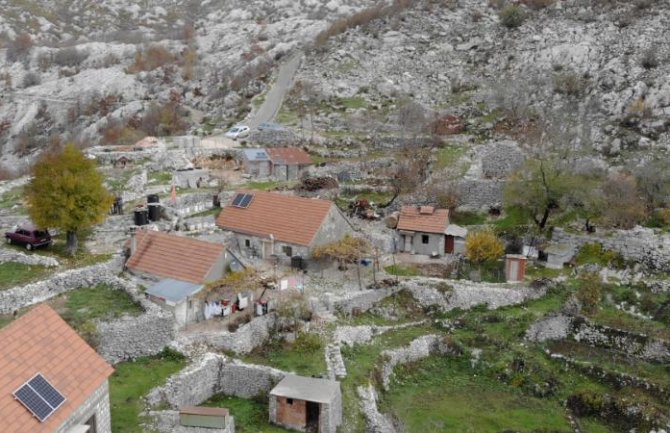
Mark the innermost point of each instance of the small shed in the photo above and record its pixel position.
(179, 297)
(455, 239)
(207, 417)
(515, 268)
(256, 162)
(306, 404)
(558, 255)
(122, 162)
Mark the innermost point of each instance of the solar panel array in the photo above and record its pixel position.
(39, 397)
(242, 200)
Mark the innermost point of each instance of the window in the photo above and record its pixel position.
(190, 304)
(247, 243)
(289, 401)
(287, 250)
(425, 239)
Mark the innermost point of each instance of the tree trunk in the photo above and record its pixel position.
(72, 242)
(358, 274)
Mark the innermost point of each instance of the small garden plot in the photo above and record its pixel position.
(305, 356)
(133, 380)
(101, 302)
(251, 416)
(18, 274)
(447, 394)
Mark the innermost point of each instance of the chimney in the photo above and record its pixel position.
(133, 242)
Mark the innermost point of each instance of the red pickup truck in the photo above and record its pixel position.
(29, 236)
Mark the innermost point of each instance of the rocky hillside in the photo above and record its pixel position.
(117, 71)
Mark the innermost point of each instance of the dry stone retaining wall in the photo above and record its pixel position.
(214, 374)
(31, 294)
(641, 245)
(7, 255)
(375, 421)
(363, 300)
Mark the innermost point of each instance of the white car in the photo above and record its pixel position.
(239, 131)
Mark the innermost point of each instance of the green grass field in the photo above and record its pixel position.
(100, 302)
(133, 380)
(17, 274)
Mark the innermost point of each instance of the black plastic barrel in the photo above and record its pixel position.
(297, 262)
(141, 217)
(154, 211)
(153, 198)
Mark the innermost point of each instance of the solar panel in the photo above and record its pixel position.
(46, 391)
(238, 198)
(39, 397)
(246, 200)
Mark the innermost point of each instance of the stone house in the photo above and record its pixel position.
(306, 404)
(288, 163)
(268, 223)
(426, 230)
(52, 381)
(181, 265)
(122, 162)
(255, 162)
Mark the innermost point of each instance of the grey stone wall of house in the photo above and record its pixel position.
(334, 227)
(253, 246)
(641, 245)
(244, 340)
(214, 374)
(31, 294)
(331, 414)
(434, 243)
(259, 169)
(480, 194)
(96, 404)
(451, 294)
(288, 172)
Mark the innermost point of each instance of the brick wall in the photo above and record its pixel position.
(292, 415)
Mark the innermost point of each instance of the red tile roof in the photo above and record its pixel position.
(171, 256)
(288, 156)
(423, 219)
(41, 342)
(290, 219)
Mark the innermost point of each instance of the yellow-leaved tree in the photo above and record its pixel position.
(483, 247)
(349, 249)
(67, 193)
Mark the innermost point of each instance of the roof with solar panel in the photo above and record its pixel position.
(47, 372)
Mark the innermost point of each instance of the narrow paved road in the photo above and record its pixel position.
(274, 98)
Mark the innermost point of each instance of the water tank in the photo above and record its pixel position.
(154, 211)
(141, 217)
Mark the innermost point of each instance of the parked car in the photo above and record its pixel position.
(239, 131)
(269, 126)
(31, 237)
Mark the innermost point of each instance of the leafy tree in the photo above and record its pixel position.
(293, 307)
(538, 188)
(483, 246)
(625, 205)
(67, 193)
(349, 249)
(653, 181)
(590, 290)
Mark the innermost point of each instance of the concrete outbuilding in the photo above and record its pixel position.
(306, 404)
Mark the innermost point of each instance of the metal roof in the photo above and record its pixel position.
(307, 388)
(174, 290)
(256, 154)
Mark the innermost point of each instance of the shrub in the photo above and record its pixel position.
(512, 16)
(307, 343)
(70, 57)
(648, 59)
(31, 79)
(537, 4)
(595, 254)
(569, 83)
(590, 290)
(19, 48)
(482, 247)
(151, 58)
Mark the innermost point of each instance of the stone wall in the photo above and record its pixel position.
(375, 421)
(7, 255)
(131, 337)
(641, 245)
(450, 294)
(501, 159)
(479, 194)
(352, 335)
(31, 294)
(96, 404)
(214, 374)
(419, 348)
(363, 300)
(244, 340)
